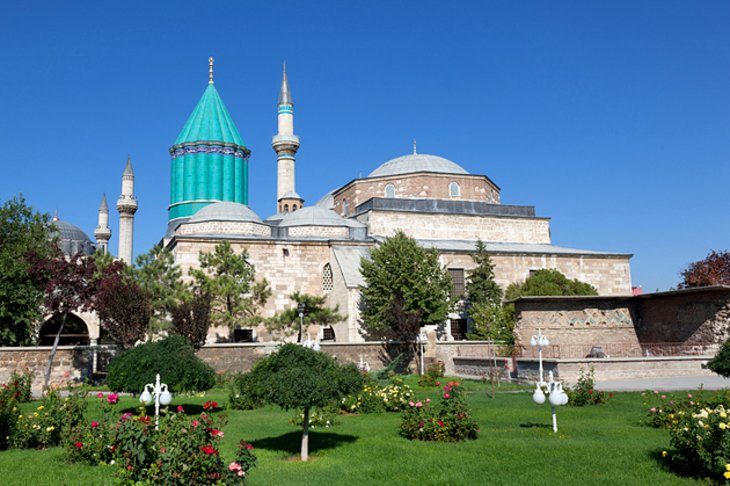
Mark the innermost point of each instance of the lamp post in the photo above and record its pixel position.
(301, 307)
(554, 389)
(161, 396)
(421, 340)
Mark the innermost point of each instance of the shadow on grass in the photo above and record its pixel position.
(291, 442)
(533, 425)
(189, 409)
(679, 467)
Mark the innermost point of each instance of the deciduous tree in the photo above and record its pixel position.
(24, 234)
(549, 282)
(123, 306)
(713, 270)
(191, 318)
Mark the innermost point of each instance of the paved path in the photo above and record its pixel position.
(711, 382)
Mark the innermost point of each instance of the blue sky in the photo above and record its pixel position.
(613, 119)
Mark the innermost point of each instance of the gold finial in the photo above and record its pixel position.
(210, 70)
(414, 146)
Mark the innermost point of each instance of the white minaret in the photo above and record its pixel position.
(102, 233)
(286, 144)
(127, 206)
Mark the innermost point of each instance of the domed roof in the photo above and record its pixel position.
(225, 211)
(327, 201)
(316, 216)
(407, 164)
(72, 239)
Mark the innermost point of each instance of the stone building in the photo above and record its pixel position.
(317, 249)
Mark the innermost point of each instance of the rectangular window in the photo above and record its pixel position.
(328, 334)
(458, 329)
(243, 335)
(457, 276)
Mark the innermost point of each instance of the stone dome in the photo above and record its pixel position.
(72, 239)
(225, 211)
(316, 216)
(410, 163)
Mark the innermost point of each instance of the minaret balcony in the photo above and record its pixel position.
(127, 204)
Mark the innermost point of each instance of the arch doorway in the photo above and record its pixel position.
(75, 331)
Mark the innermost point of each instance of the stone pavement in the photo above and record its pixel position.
(708, 382)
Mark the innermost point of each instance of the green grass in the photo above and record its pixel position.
(595, 445)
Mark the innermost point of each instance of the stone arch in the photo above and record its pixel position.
(286, 208)
(389, 191)
(454, 189)
(75, 331)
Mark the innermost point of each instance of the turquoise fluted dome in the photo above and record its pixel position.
(209, 159)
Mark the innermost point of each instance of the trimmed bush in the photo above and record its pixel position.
(173, 358)
(720, 364)
(242, 393)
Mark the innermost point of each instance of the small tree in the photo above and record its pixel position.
(124, 308)
(295, 377)
(191, 319)
(24, 234)
(484, 300)
(713, 270)
(404, 283)
(161, 278)
(229, 279)
(315, 312)
(69, 286)
(549, 282)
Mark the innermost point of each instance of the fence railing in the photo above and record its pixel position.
(618, 350)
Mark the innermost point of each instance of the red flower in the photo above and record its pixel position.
(438, 383)
(446, 395)
(145, 420)
(610, 394)
(130, 467)
(113, 398)
(441, 424)
(163, 449)
(209, 450)
(249, 446)
(590, 392)
(100, 395)
(180, 408)
(94, 424)
(79, 444)
(210, 404)
(195, 423)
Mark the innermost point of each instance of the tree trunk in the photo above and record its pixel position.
(47, 375)
(305, 436)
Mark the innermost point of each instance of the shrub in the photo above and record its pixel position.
(19, 385)
(373, 398)
(663, 408)
(242, 393)
(448, 421)
(720, 364)
(700, 443)
(434, 371)
(173, 358)
(183, 451)
(92, 442)
(584, 392)
(42, 427)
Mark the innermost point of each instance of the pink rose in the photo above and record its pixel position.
(446, 395)
(419, 405)
(241, 473)
(663, 397)
(180, 408)
(100, 395)
(195, 423)
(652, 409)
(234, 466)
(428, 400)
(689, 395)
(94, 424)
(113, 398)
(410, 404)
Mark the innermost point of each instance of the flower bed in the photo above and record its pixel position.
(374, 397)
(448, 420)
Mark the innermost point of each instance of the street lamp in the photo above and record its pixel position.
(421, 340)
(161, 396)
(554, 389)
(301, 307)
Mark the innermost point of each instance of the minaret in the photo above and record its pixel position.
(102, 233)
(286, 144)
(127, 206)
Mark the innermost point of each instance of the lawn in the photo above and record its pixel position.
(605, 444)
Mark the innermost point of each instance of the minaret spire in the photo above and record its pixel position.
(286, 144)
(414, 147)
(127, 206)
(210, 69)
(102, 233)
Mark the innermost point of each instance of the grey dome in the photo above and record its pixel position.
(291, 195)
(410, 163)
(225, 211)
(327, 201)
(72, 239)
(316, 216)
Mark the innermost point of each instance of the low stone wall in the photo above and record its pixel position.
(614, 368)
(70, 362)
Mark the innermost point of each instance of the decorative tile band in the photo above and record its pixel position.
(237, 152)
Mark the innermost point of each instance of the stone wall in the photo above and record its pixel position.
(460, 227)
(421, 186)
(225, 228)
(339, 232)
(610, 274)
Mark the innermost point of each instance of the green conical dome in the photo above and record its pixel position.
(210, 121)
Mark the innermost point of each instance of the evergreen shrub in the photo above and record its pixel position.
(173, 358)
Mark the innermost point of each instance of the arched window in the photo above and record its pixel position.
(293, 207)
(327, 278)
(345, 207)
(390, 190)
(286, 208)
(75, 331)
(454, 190)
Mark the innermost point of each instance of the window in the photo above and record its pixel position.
(286, 208)
(457, 276)
(243, 335)
(327, 278)
(454, 190)
(328, 334)
(293, 207)
(390, 190)
(458, 329)
(345, 207)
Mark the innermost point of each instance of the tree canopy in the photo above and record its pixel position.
(481, 288)
(712, 270)
(315, 312)
(24, 233)
(549, 282)
(123, 306)
(161, 278)
(404, 283)
(229, 279)
(295, 377)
